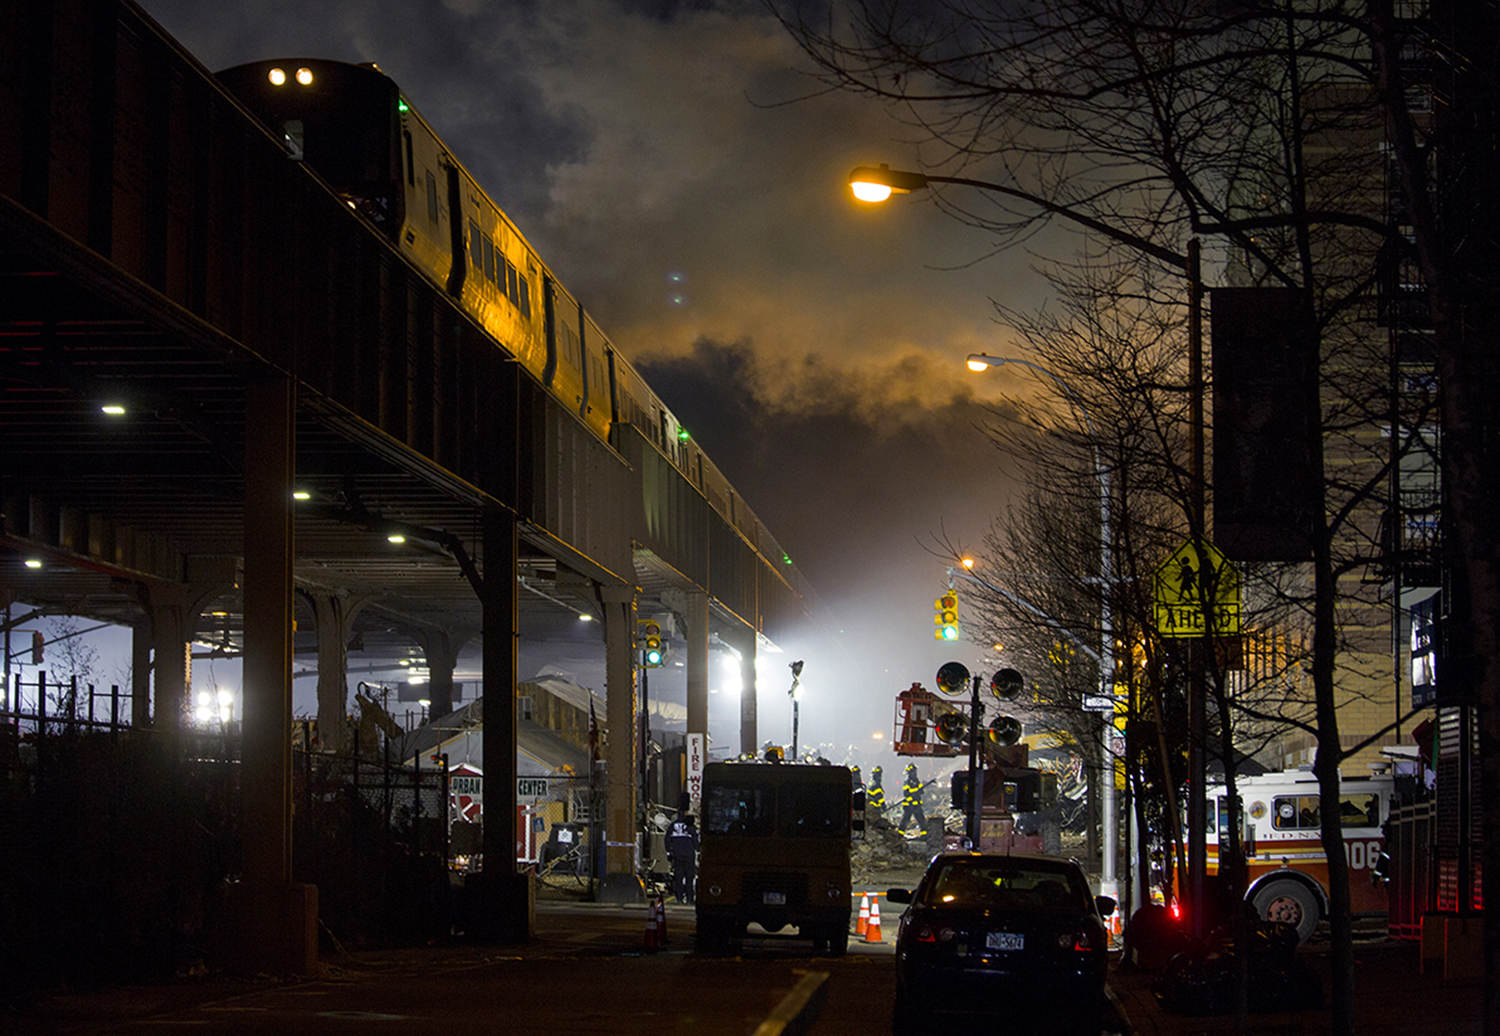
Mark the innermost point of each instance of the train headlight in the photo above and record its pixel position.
(305, 76)
(277, 76)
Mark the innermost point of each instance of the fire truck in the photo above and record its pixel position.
(1282, 839)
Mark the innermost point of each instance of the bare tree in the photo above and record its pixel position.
(71, 661)
(1121, 354)
(1255, 125)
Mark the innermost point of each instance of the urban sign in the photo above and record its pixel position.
(1197, 588)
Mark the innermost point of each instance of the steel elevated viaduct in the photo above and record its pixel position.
(159, 251)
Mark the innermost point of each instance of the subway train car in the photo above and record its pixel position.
(353, 126)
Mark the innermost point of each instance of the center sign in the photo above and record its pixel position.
(1195, 590)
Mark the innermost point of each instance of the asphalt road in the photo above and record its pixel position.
(586, 972)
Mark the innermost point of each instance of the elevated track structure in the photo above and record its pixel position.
(292, 390)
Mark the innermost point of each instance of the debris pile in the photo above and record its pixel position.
(885, 854)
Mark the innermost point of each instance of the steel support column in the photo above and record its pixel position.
(695, 619)
(140, 674)
(620, 881)
(744, 640)
(504, 907)
(273, 922)
(333, 614)
(441, 648)
(171, 629)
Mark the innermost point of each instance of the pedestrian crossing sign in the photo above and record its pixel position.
(1197, 593)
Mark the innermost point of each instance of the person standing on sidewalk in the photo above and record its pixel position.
(682, 850)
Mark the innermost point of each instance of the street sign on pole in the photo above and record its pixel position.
(697, 756)
(1193, 575)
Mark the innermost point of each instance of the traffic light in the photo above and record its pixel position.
(38, 641)
(650, 644)
(946, 618)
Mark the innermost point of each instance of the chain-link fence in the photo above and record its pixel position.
(372, 834)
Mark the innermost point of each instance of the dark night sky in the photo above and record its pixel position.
(685, 180)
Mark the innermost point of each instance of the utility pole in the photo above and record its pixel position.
(796, 668)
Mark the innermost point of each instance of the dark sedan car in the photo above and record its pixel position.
(1001, 943)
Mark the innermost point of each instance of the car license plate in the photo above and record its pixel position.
(773, 898)
(1005, 941)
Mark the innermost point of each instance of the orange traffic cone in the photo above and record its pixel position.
(864, 915)
(872, 929)
(653, 934)
(661, 920)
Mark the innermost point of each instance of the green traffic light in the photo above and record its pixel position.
(950, 632)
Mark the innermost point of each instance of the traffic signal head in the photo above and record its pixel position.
(946, 617)
(652, 654)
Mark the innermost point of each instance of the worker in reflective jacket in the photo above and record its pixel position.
(875, 794)
(911, 801)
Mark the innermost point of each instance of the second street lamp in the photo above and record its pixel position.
(795, 693)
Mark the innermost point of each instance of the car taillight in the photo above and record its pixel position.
(929, 934)
(1083, 940)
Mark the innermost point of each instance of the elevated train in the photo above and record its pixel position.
(355, 129)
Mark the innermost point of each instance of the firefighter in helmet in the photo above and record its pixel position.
(875, 794)
(911, 801)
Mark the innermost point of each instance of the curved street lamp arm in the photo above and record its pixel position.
(900, 180)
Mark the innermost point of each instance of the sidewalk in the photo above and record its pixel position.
(1392, 998)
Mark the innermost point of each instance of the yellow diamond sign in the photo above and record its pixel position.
(1197, 593)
